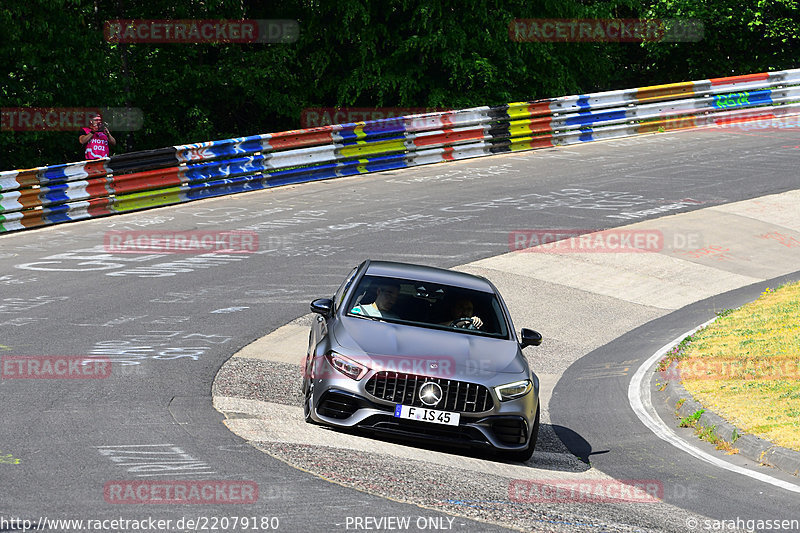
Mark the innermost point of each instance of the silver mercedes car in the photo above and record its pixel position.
(419, 352)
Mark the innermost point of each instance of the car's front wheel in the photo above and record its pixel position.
(525, 454)
(307, 399)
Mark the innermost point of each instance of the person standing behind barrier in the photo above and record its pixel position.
(97, 138)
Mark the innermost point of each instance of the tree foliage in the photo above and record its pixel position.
(358, 53)
(739, 38)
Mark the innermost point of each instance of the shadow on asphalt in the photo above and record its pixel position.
(575, 444)
(550, 453)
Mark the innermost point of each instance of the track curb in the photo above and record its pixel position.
(749, 446)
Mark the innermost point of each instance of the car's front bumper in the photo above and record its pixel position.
(344, 403)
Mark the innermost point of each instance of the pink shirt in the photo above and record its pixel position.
(97, 146)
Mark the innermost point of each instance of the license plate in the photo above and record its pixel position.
(426, 415)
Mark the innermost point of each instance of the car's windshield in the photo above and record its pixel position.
(430, 305)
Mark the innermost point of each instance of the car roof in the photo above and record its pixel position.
(429, 274)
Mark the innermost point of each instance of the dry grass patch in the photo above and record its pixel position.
(746, 366)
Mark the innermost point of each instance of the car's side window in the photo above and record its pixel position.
(342, 290)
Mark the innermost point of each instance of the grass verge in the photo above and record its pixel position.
(746, 366)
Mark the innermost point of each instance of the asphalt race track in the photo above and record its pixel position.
(169, 322)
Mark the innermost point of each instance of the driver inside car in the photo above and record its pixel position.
(462, 315)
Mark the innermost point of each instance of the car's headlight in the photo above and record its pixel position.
(347, 366)
(514, 390)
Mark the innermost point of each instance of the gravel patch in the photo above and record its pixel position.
(462, 493)
(266, 381)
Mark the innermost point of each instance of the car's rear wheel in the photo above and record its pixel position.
(525, 454)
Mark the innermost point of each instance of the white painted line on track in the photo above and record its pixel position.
(641, 401)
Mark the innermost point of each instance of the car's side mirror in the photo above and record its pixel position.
(322, 306)
(530, 337)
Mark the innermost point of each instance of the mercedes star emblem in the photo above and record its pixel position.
(430, 393)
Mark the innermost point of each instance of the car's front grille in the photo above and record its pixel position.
(457, 396)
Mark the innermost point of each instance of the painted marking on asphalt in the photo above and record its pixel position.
(155, 460)
(230, 310)
(566, 198)
(158, 345)
(9, 459)
(14, 280)
(608, 370)
(641, 402)
(22, 321)
(18, 305)
(114, 322)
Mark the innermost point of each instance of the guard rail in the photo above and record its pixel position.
(153, 178)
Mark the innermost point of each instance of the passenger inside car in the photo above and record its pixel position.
(385, 299)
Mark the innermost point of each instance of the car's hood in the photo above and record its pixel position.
(417, 350)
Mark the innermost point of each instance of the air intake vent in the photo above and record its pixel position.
(339, 406)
